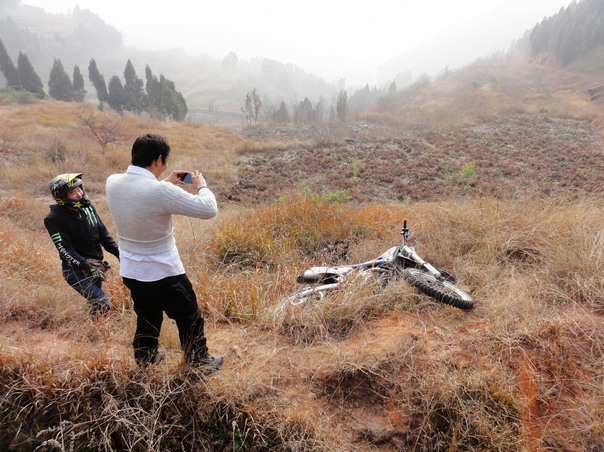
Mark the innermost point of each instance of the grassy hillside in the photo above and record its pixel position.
(507, 197)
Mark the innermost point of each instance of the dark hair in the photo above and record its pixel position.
(148, 148)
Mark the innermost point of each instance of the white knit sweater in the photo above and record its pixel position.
(142, 209)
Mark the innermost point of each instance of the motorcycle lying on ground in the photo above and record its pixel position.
(437, 284)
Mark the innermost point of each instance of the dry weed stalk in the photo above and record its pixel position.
(522, 370)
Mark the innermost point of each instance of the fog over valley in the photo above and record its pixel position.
(364, 43)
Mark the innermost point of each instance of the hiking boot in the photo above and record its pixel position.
(143, 360)
(160, 355)
(210, 364)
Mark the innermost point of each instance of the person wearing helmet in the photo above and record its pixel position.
(78, 233)
(150, 264)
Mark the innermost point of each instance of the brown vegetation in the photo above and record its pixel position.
(361, 371)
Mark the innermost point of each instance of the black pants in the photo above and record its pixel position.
(174, 296)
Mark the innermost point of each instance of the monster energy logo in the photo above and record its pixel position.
(56, 238)
(92, 219)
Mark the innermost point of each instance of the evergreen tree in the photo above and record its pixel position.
(282, 115)
(98, 81)
(305, 112)
(162, 98)
(30, 80)
(180, 108)
(59, 85)
(318, 110)
(573, 32)
(116, 94)
(8, 68)
(363, 99)
(133, 90)
(172, 102)
(79, 92)
(342, 106)
(153, 90)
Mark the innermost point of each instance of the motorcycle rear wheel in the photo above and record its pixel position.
(443, 291)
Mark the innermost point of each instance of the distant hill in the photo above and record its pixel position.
(568, 35)
(75, 38)
(214, 89)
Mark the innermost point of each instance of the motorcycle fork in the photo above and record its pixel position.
(411, 259)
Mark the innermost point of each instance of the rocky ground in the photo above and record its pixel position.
(516, 156)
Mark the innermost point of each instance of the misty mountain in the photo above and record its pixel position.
(568, 34)
(449, 51)
(214, 89)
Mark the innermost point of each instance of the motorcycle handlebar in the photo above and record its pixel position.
(405, 232)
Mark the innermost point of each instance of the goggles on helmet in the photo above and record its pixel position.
(62, 184)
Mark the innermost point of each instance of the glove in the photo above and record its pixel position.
(99, 264)
(94, 275)
(97, 270)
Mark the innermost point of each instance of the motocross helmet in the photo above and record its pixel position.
(63, 183)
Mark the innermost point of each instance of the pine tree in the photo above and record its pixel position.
(30, 80)
(79, 92)
(59, 85)
(305, 112)
(162, 99)
(98, 81)
(8, 68)
(179, 106)
(573, 32)
(282, 115)
(116, 94)
(153, 90)
(133, 90)
(172, 102)
(318, 110)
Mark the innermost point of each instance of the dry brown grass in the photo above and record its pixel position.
(361, 371)
(33, 147)
(493, 89)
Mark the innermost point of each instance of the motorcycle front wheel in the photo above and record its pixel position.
(443, 291)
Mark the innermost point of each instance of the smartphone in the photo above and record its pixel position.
(186, 178)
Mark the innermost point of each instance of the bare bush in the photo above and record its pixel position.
(103, 127)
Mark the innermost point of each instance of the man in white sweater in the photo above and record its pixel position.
(142, 209)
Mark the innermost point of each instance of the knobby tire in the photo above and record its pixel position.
(443, 291)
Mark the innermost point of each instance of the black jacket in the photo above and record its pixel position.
(78, 235)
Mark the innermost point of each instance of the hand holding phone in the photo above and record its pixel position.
(186, 178)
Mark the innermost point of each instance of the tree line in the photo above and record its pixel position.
(304, 112)
(307, 112)
(158, 96)
(571, 33)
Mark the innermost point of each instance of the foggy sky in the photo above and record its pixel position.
(332, 39)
